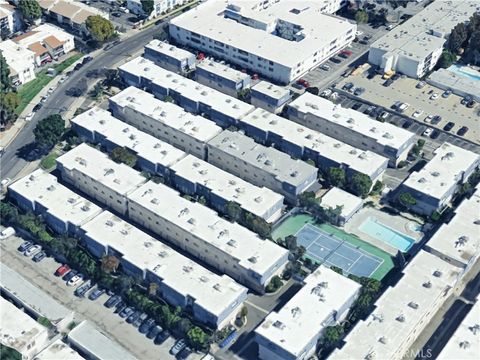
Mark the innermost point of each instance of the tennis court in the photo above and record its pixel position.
(324, 247)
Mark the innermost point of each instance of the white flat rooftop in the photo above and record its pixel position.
(227, 186)
(61, 202)
(338, 197)
(31, 296)
(306, 314)
(96, 343)
(18, 57)
(319, 29)
(87, 160)
(58, 350)
(427, 30)
(169, 50)
(383, 133)
(269, 159)
(414, 299)
(222, 70)
(442, 172)
(17, 329)
(170, 114)
(460, 238)
(366, 162)
(190, 89)
(271, 90)
(465, 342)
(120, 133)
(212, 292)
(205, 224)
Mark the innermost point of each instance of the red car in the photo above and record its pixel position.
(303, 82)
(346, 53)
(62, 270)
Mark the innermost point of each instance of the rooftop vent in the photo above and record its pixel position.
(253, 259)
(203, 279)
(109, 223)
(437, 273)
(71, 200)
(232, 243)
(413, 305)
(155, 201)
(258, 199)
(279, 325)
(382, 340)
(217, 287)
(124, 232)
(85, 208)
(187, 269)
(192, 221)
(427, 284)
(296, 312)
(51, 188)
(400, 318)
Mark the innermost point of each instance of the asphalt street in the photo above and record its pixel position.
(13, 160)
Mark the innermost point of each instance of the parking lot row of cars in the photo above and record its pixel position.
(82, 285)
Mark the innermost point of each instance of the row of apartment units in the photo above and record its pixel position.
(181, 281)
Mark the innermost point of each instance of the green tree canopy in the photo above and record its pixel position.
(10, 101)
(336, 177)
(123, 155)
(234, 211)
(360, 184)
(291, 242)
(30, 10)
(5, 81)
(307, 199)
(49, 131)
(332, 335)
(406, 199)
(100, 28)
(8, 214)
(361, 16)
(147, 6)
(197, 338)
(446, 59)
(457, 38)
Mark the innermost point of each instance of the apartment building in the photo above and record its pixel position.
(58, 350)
(281, 40)
(228, 247)
(47, 42)
(98, 126)
(293, 332)
(62, 209)
(194, 176)
(260, 165)
(20, 332)
(196, 98)
(414, 47)
(222, 77)
(159, 7)
(10, 19)
(20, 60)
(269, 97)
(435, 184)
(92, 172)
(164, 120)
(212, 299)
(304, 143)
(402, 312)
(337, 198)
(169, 56)
(352, 127)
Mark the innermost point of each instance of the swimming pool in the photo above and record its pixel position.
(465, 71)
(376, 229)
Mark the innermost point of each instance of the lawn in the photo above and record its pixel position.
(28, 91)
(48, 162)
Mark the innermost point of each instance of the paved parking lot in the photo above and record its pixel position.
(41, 275)
(117, 16)
(404, 90)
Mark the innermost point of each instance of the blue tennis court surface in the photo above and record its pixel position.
(326, 248)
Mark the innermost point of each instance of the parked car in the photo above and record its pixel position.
(30, 116)
(184, 354)
(62, 270)
(154, 331)
(326, 93)
(434, 96)
(303, 83)
(6, 233)
(388, 82)
(37, 107)
(51, 90)
(402, 107)
(160, 338)
(70, 275)
(427, 132)
(112, 301)
(40, 256)
(140, 320)
(359, 91)
(449, 126)
(325, 67)
(407, 124)
(435, 134)
(428, 119)
(356, 106)
(466, 100)
(87, 59)
(383, 115)
(348, 86)
(116, 14)
(417, 113)
(95, 294)
(62, 79)
(471, 104)
(335, 60)
(78, 66)
(146, 326)
(25, 246)
(447, 93)
(133, 317)
(421, 84)
(358, 33)
(345, 54)
(178, 346)
(125, 313)
(462, 131)
(436, 119)
(33, 250)
(82, 289)
(74, 281)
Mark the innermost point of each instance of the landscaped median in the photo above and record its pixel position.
(28, 91)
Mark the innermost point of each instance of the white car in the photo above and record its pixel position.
(51, 90)
(403, 106)
(417, 113)
(35, 249)
(5, 182)
(77, 279)
(30, 116)
(427, 132)
(428, 119)
(326, 93)
(434, 96)
(62, 79)
(6, 233)
(358, 33)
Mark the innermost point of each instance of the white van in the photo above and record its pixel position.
(6, 233)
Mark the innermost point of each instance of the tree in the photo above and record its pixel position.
(30, 10)
(49, 131)
(407, 200)
(8, 214)
(457, 38)
(244, 311)
(377, 188)
(258, 225)
(197, 338)
(182, 327)
(446, 59)
(100, 28)
(5, 81)
(472, 52)
(291, 242)
(336, 177)
(360, 185)
(147, 6)
(331, 336)
(123, 155)
(9, 101)
(361, 16)
(109, 263)
(274, 284)
(234, 211)
(307, 199)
